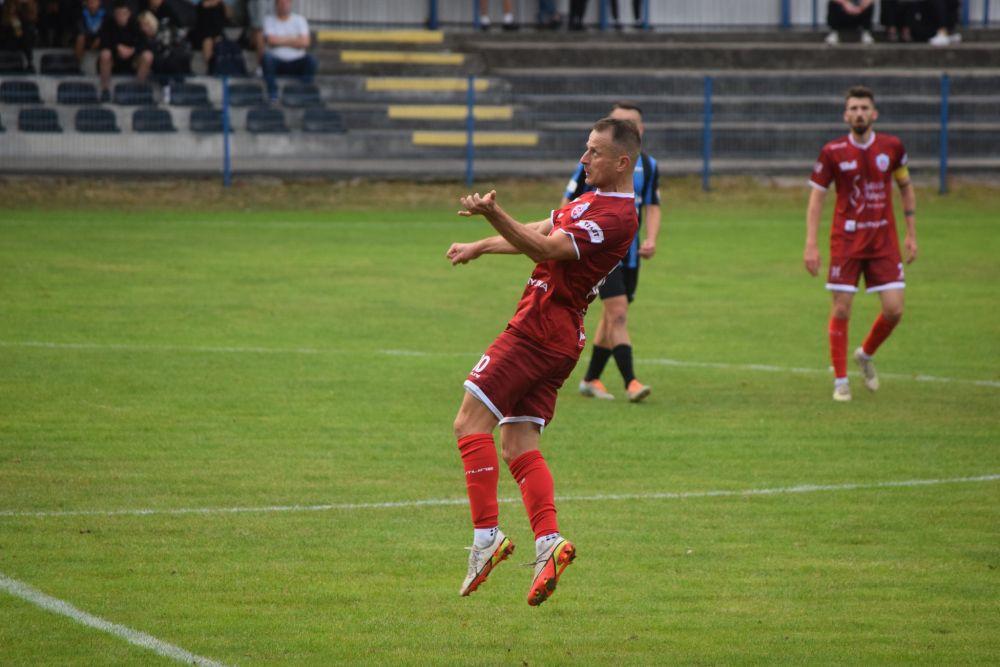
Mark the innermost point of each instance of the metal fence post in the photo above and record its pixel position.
(965, 13)
(227, 171)
(470, 131)
(815, 14)
(986, 13)
(602, 14)
(475, 15)
(645, 14)
(432, 15)
(943, 150)
(706, 137)
(786, 13)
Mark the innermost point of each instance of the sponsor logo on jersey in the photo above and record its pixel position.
(579, 210)
(593, 230)
(850, 225)
(540, 284)
(848, 165)
(882, 162)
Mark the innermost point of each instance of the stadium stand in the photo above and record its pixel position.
(246, 95)
(132, 94)
(152, 120)
(11, 62)
(298, 95)
(206, 120)
(266, 120)
(189, 95)
(321, 120)
(76, 92)
(38, 119)
(15, 91)
(96, 120)
(59, 63)
(2, 128)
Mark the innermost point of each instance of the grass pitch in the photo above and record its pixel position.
(212, 353)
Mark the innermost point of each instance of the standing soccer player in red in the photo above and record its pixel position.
(863, 236)
(515, 382)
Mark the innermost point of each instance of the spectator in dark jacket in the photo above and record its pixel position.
(88, 28)
(171, 58)
(18, 27)
(208, 26)
(842, 15)
(124, 48)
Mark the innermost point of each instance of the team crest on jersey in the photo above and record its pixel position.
(593, 230)
(882, 162)
(579, 210)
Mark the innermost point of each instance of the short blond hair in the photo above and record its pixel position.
(147, 18)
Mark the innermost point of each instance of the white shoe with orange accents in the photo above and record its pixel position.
(552, 558)
(482, 561)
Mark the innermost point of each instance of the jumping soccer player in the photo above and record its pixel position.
(863, 236)
(618, 291)
(515, 382)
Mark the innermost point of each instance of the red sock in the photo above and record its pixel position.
(880, 331)
(537, 490)
(838, 346)
(482, 471)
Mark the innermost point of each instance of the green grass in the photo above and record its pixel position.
(182, 356)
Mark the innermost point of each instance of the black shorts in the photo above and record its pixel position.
(620, 282)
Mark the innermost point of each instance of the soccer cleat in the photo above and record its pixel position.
(842, 393)
(867, 365)
(595, 389)
(549, 566)
(482, 562)
(637, 391)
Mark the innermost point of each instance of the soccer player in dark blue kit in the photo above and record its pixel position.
(617, 292)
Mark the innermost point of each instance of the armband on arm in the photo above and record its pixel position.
(902, 176)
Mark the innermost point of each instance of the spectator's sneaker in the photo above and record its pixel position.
(867, 365)
(637, 391)
(105, 95)
(940, 39)
(549, 564)
(832, 39)
(866, 37)
(595, 389)
(955, 38)
(842, 393)
(482, 562)
(510, 26)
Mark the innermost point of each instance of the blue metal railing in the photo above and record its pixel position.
(470, 131)
(943, 148)
(706, 137)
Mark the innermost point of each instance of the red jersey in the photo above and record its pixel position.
(863, 224)
(602, 226)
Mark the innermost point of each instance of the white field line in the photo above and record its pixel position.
(128, 347)
(27, 593)
(665, 495)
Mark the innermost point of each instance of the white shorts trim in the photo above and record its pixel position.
(478, 393)
(888, 286)
(533, 420)
(573, 239)
(834, 287)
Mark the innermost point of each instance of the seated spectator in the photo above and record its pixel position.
(943, 15)
(18, 28)
(899, 17)
(166, 17)
(286, 38)
(56, 22)
(208, 26)
(842, 15)
(256, 11)
(508, 15)
(124, 48)
(577, 8)
(549, 17)
(636, 14)
(88, 28)
(171, 57)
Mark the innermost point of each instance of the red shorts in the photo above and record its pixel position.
(881, 273)
(517, 379)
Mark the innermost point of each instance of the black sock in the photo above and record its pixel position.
(598, 360)
(623, 357)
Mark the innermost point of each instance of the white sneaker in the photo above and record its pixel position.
(482, 562)
(550, 560)
(867, 365)
(940, 40)
(595, 389)
(832, 39)
(866, 37)
(955, 38)
(842, 393)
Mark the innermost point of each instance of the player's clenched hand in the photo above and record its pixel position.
(647, 250)
(812, 259)
(461, 253)
(478, 205)
(910, 245)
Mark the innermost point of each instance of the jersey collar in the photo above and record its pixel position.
(623, 195)
(871, 140)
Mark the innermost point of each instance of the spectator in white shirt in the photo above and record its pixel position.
(286, 38)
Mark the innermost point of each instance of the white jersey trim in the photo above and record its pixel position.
(573, 239)
(871, 140)
(834, 287)
(533, 420)
(478, 393)
(817, 185)
(623, 195)
(888, 286)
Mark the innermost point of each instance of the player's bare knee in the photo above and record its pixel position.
(893, 314)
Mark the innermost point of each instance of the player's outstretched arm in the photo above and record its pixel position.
(524, 238)
(463, 253)
(811, 257)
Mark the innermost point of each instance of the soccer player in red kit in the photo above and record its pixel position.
(515, 382)
(863, 237)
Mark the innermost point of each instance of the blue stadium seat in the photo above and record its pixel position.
(96, 120)
(322, 120)
(152, 119)
(19, 92)
(206, 120)
(38, 119)
(265, 120)
(299, 95)
(76, 92)
(134, 94)
(2, 128)
(189, 95)
(60, 64)
(12, 62)
(246, 95)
